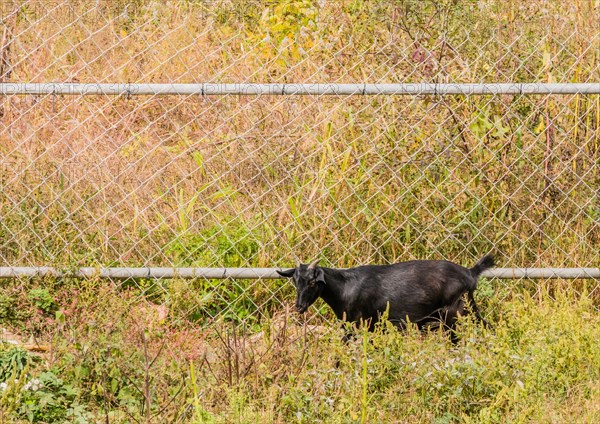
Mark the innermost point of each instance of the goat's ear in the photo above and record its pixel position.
(287, 273)
(320, 275)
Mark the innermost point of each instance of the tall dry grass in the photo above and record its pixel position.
(131, 181)
(261, 181)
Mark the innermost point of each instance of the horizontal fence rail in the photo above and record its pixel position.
(296, 89)
(260, 273)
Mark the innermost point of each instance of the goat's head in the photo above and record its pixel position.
(309, 281)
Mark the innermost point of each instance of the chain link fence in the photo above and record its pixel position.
(259, 181)
(232, 185)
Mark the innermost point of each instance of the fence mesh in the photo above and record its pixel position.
(263, 181)
(235, 181)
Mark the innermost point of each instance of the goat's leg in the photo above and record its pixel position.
(475, 310)
(348, 336)
(350, 328)
(450, 318)
(451, 326)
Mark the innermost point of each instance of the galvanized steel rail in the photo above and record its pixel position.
(260, 273)
(207, 89)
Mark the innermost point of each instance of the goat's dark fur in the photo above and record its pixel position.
(422, 292)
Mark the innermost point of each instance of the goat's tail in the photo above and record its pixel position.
(484, 263)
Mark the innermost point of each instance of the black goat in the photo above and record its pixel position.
(422, 292)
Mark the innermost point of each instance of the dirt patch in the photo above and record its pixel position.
(31, 345)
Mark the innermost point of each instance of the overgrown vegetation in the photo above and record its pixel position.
(260, 181)
(116, 358)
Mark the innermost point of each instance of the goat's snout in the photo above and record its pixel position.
(301, 309)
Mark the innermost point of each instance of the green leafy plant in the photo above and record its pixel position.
(13, 361)
(43, 300)
(47, 399)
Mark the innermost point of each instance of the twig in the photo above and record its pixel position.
(146, 377)
(163, 409)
